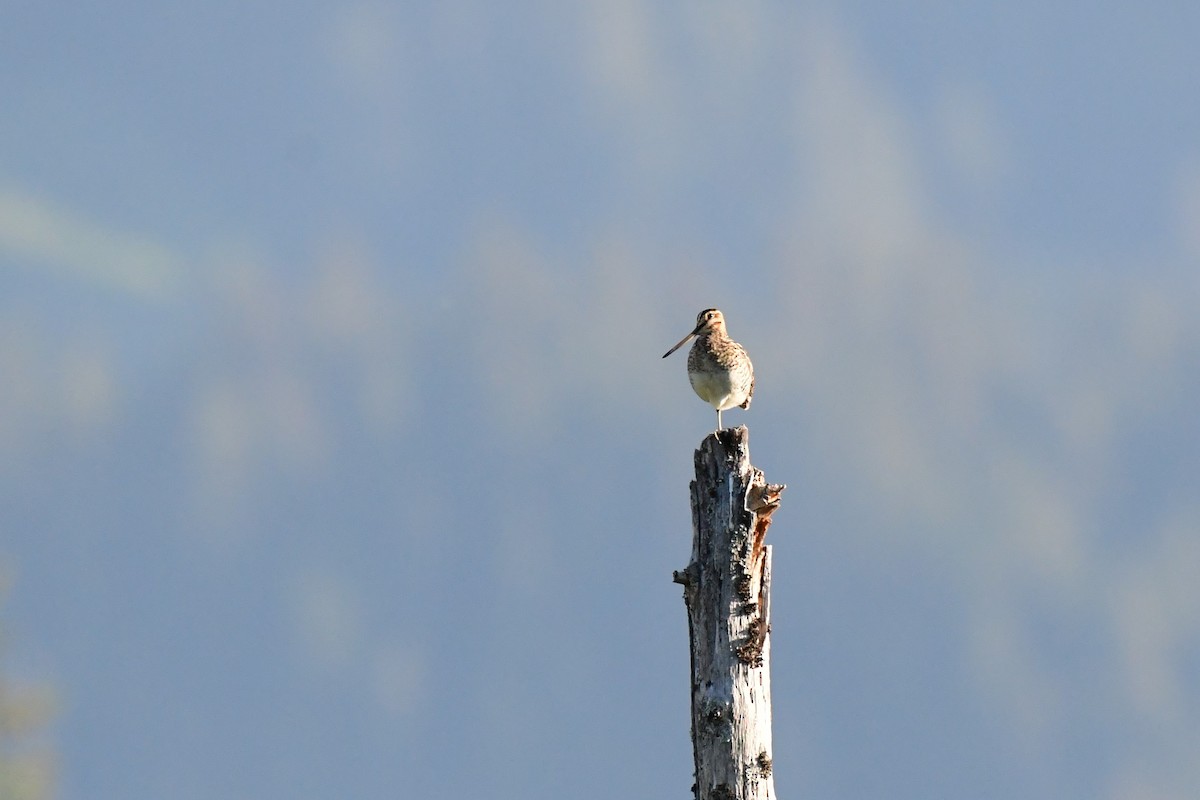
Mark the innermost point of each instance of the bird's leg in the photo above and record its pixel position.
(718, 419)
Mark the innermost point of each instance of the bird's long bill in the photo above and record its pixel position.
(680, 344)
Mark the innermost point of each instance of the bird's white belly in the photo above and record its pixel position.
(716, 389)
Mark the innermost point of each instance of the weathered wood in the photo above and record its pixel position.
(727, 592)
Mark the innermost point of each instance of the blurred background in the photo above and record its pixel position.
(339, 460)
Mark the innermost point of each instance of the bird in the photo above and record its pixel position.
(719, 369)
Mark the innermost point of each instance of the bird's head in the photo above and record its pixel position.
(710, 320)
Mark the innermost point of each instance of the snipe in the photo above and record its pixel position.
(718, 367)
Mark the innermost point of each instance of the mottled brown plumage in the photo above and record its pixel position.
(719, 369)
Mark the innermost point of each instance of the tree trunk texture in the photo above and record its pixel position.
(727, 590)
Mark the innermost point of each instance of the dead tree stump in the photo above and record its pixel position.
(727, 590)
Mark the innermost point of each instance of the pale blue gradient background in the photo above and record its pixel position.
(339, 460)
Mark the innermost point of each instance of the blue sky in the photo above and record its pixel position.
(339, 460)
